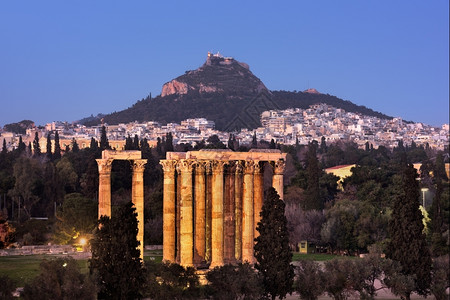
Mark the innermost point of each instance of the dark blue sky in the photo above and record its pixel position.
(64, 60)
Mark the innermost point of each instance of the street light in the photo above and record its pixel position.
(424, 190)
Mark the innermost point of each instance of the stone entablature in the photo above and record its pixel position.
(212, 204)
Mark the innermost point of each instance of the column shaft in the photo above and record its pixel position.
(238, 211)
(229, 217)
(186, 214)
(217, 215)
(104, 187)
(169, 211)
(208, 211)
(247, 214)
(137, 197)
(200, 214)
(258, 196)
(277, 179)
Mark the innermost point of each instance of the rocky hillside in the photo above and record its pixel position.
(223, 90)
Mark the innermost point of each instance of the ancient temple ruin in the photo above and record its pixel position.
(137, 192)
(212, 201)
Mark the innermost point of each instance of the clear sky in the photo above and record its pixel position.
(65, 60)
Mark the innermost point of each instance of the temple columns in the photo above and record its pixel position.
(247, 213)
(104, 188)
(238, 211)
(169, 210)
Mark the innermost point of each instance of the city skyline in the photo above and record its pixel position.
(66, 61)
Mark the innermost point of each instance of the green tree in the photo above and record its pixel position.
(128, 143)
(115, 258)
(57, 153)
(408, 245)
(21, 147)
(312, 193)
(60, 278)
(7, 287)
(136, 142)
(168, 147)
(4, 149)
(77, 217)
(93, 145)
(254, 141)
(234, 282)
(67, 175)
(310, 280)
(272, 251)
(75, 147)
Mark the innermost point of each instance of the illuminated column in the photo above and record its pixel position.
(259, 194)
(208, 210)
(137, 197)
(169, 210)
(104, 187)
(200, 213)
(217, 214)
(277, 179)
(247, 213)
(238, 211)
(186, 214)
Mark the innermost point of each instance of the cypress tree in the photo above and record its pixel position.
(4, 149)
(49, 146)
(169, 143)
(36, 146)
(408, 244)
(115, 257)
(272, 248)
(159, 147)
(93, 145)
(57, 153)
(254, 141)
(128, 143)
(272, 144)
(104, 144)
(22, 145)
(136, 142)
(75, 147)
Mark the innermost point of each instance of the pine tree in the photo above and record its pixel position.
(272, 247)
(312, 192)
(115, 257)
(36, 146)
(49, 146)
(408, 245)
(104, 144)
(57, 153)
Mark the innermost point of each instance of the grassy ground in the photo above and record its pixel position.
(296, 256)
(24, 268)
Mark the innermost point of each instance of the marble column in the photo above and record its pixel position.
(186, 214)
(247, 213)
(200, 213)
(277, 179)
(258, 194)
(104, 187)
(217, 214)
(137, 197)
(238, 210)
(169, 210)
(229, 216)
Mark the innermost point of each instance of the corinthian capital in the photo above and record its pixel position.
(168, 165)
(217, 166)
(139, 165)
(185, 165)
(249, 167)
(278, 167)
(104, 165)
(200, 167)
(258, 166)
